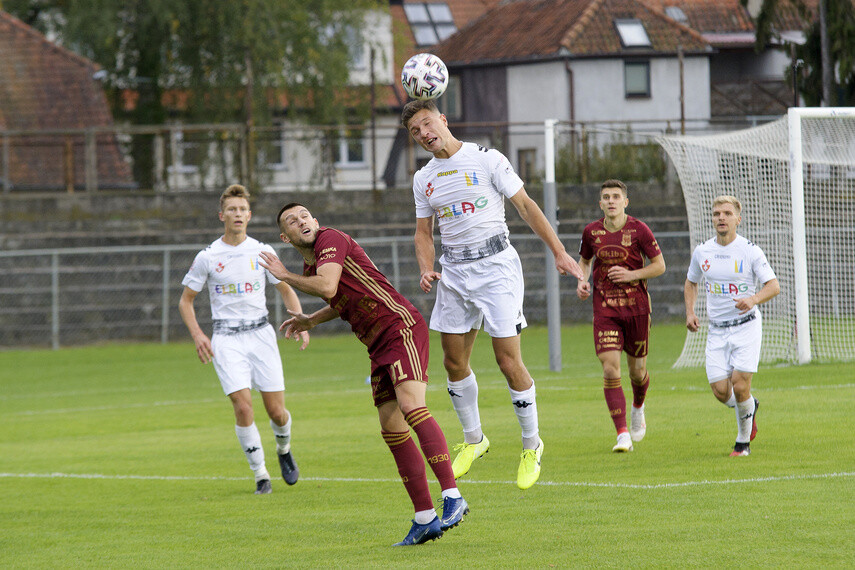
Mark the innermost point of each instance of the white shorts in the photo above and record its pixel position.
(488, 291)
(734, 348)
(248, 360)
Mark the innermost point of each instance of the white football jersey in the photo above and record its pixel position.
(466, 193)
(235, 279)
(729, 272)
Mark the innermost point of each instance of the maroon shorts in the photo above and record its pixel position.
(401, 356)
(629, 334)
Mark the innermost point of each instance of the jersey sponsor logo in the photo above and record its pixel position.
(611, 254)
(598, 232)
(705, 265)
(237, 288)
(471, 180)
(737, 266)
(462, 208)
(446, 173)
(220, 267)
(328, 250)
(325, 256)
(726, 288)
(430, 189)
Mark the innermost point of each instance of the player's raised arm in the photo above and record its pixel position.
(531, 213)
(324, 284)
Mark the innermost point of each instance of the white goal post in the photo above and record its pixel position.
(796, 179)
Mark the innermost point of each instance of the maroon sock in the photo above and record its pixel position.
(639, 391)
(433, 444)
(616, 402)
(411, 467)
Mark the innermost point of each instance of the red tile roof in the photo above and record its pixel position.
(729, 16)
(463, 12)
(44, 86)
(541, 29)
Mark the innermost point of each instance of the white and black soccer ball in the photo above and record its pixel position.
(424, 76)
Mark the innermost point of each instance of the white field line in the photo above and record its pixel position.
(361, 390)
(704, 483)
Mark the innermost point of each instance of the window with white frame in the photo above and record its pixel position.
(350, 148)
(451, 102)
(632, 33)
(636, 79)
(184, 154)
(272, 150)
(431, 22)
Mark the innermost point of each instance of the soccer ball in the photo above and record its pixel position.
(424, 76)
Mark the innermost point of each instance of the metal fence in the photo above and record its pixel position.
(77, 296)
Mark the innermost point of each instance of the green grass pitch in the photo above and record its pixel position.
(124, 456)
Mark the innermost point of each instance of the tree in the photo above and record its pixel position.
(228, 60)
(830, 74)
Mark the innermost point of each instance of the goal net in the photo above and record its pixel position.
(796, 180)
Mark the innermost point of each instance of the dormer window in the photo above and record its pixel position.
(676, 13)
(632, 33)
(431, 22)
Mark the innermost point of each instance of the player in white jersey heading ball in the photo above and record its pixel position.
(731, 267)
(243, 345)
(463, 188)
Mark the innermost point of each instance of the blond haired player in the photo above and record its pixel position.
(243, 345)
(731, 267)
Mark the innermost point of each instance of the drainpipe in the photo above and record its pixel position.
(571, 100)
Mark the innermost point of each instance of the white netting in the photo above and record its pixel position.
(753, 165)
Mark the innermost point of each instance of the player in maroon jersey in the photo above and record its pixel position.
(338, 270)
(613, 249)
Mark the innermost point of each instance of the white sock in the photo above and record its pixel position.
(453, 492)
(424, 517)
(250, 442)
(525, 406)
(283, 436)
(464, 399)
(731, 402)
(744, 420)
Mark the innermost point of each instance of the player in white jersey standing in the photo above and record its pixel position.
(731, 267)
(463, 188)
(243, 345)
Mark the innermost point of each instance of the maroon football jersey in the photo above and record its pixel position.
(364, 298)
(626, 247)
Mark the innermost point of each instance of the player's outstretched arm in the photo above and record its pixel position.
(302, 323)
(425, 253)
(188, 315)
(690, 295)
(531, 213)
(292, 304)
